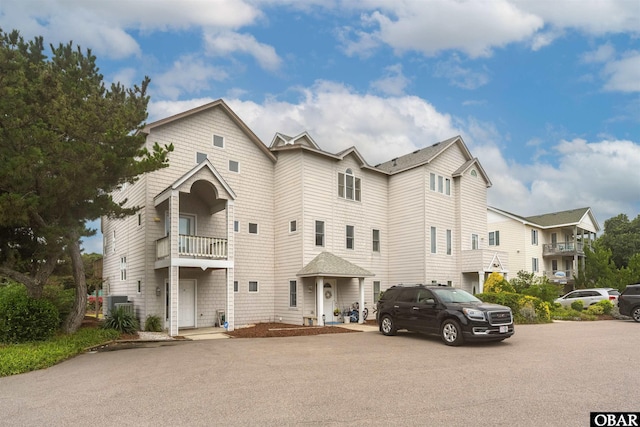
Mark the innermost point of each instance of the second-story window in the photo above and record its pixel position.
(534, 237)
(319, 233)
(376, 241)
(494, 238)
(349, 187)
(474, 241)
(350, 236)
(253, 228)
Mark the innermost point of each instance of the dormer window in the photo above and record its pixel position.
(349, 186)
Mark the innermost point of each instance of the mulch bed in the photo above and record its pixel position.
(267, 330)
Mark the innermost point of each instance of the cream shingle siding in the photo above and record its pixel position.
(301, 185)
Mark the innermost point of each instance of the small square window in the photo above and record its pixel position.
(253, 286)
(218, 141)
(253, 228)
(293, 226)
(201, 157)
(234, 166)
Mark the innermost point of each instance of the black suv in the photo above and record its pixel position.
(629, 302)
(454, 314)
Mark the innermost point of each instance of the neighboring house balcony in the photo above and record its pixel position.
(563, 249)
(560, 276)
(193, 247)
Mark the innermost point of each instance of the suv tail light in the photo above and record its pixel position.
(612, 298)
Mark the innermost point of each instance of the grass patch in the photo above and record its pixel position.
(21, 358)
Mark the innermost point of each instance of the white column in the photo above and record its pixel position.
(361, 303)
(480, 282)
(228, 311)
(174, 270)
(320, 300)
(230, 300)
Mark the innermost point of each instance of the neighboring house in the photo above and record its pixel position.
(550, 245)
(234, 231)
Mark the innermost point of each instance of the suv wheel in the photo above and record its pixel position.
(451, 333)
(635, 313)
(387, 327)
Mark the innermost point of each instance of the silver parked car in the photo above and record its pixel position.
(589, 296)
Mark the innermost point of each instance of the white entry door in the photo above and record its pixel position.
(329, 295)
(187, 304)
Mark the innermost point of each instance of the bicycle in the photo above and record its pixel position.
(354, 315)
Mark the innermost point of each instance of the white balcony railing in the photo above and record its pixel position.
(193, 246)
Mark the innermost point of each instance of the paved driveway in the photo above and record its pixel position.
(545, 375)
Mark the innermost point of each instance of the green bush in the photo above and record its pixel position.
(525, 308)
(561, 313)
(546, 291)
(61, 298)
(122, 321)
(153, 324)
(595, 310)
(495, 283)
(20, 358)
(577, 305)
(23, 318)
(607, 306)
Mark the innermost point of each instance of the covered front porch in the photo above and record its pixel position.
(337, 284)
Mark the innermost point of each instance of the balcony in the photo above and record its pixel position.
(563, 249)
(193, 247)
(560, 276)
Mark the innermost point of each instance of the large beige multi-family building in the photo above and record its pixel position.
(237, 232)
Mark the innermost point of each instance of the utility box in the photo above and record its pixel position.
(110, 302)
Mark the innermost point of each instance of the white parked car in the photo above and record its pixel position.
(589, 296)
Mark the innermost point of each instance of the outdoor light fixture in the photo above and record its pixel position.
(157, 291)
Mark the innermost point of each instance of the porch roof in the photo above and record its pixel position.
(330, 265)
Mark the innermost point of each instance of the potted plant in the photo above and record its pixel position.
(336, 312)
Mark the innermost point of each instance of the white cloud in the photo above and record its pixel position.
(393, 83)
(465, 78)
(623, 75)
(225, 43)
(603, 53)
(189, 74)
(437, 25)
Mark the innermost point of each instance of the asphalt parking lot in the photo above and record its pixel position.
(545, 375)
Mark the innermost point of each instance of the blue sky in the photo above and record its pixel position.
(546, 93)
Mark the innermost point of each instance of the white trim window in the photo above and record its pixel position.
(293, 293)
(434, 241)
(218, 141)
(376, 291)
(534, 237)
(253, 286)
(123, 268)
(139, 287)
(293, 226)
(449, 242)
(319, 232)
(375, 240)
(234, 166)
(443, 184)
(349, 187)
(253, 228)
(236, 226)
(200, 157)
(235, 286)
(475, 243)
(494, 238)
(534, 265)
(350, 236)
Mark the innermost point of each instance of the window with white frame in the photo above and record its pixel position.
(319, 233)
(432, 181)
(534, 237)
(350, 236)
(376, 291)
(236, 226)
(218, 141)
(253, 228)
(235, 286)
(200, 157)
(234, 166)
(494, 238)
(474, 241)
(293, 293)
(293, 226)
(449, 242)
(139, 287)
(123, 268)
(440, 184)
(434, 247)
(447, 186)
(253, 286)
(375, 243)
(534, 265)
(349, 187)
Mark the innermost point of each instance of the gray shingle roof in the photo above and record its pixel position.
(418, 157)
(330, 265)
(572, 216)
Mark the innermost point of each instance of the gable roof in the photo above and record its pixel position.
(330, 265)
(422, 156)
(280, 139)
(228, 111)
(553, 219)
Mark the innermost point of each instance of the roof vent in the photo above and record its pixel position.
(394, 161)
(416, 151)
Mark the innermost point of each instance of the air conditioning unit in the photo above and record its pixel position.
(127, 307)
(111, 301)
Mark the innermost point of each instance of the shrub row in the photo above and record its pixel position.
(23, 318)
(525, 308)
